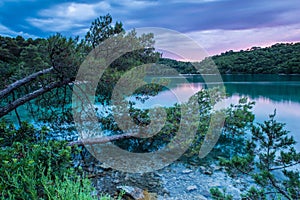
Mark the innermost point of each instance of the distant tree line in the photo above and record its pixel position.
(276, 59)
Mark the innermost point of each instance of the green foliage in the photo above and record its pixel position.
(218, 195)
(239, 117)
(33, 168)
(279, 58)
(129, 61)
(181, 67)
(20, 58)
(254, 194)
(270, 153)
(101, 29)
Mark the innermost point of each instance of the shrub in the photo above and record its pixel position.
(33, 168)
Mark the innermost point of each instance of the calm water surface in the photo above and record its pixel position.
(280, 92)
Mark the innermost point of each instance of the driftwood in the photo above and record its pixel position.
(102, 140)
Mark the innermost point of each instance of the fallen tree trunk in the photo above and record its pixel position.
(23, 81)
(20, 101)
(102, 140)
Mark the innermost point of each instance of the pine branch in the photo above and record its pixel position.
(22, 100)
(23, 81)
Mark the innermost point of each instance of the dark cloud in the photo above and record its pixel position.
(230, 15)
(42, 18)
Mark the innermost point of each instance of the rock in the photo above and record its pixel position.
(206, 193)
(208, 172)
(116, 181)
(104, 166)
(165, 191)
(90, 169)
(152, 183)
(202, 168)
(126, 177)
(191, 188)
(200, 197)
(214, 184)
(149, 196)
(218, 168)
(134, 192)
(187, 171)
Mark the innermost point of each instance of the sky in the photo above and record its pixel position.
(216, 25)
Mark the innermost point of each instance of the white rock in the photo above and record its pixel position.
(187, 171)
(191, 188)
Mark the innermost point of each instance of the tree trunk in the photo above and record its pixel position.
(102, 140)
(23, 81)
(20, 101)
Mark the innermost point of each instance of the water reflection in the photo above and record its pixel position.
(268, 91)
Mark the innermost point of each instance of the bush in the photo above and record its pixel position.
(33, 168)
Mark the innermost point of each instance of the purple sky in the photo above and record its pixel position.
(216, 25)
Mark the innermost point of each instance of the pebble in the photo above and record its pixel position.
(200, 197)
(191, 188)
(208, 172)
(187, 171)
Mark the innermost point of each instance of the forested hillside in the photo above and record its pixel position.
(277, 59)
(40, 77)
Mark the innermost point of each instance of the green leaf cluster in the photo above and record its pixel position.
(34, 168)
(270, 159)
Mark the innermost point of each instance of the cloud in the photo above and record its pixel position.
(176, 44)
(211, 42)
(218, 25)
(184, 16)
(76, 17)
(193, 1)
(190, 15)
(217, 41)
(3, 2)
(68, 17)
(5, 31)
(135, 4)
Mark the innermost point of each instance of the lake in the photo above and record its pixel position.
(280, 92)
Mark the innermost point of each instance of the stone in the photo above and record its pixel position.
(116, 181)
(202, 168)
(200, 197)
(218, 168)
(165, 191)
(206, 193)
(149, 196)
(191, 188)
(134, 192)
(208, 172)
(187, 171)
(104, 166)
(214, 184)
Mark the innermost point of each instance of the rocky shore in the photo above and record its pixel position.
(176, 181)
